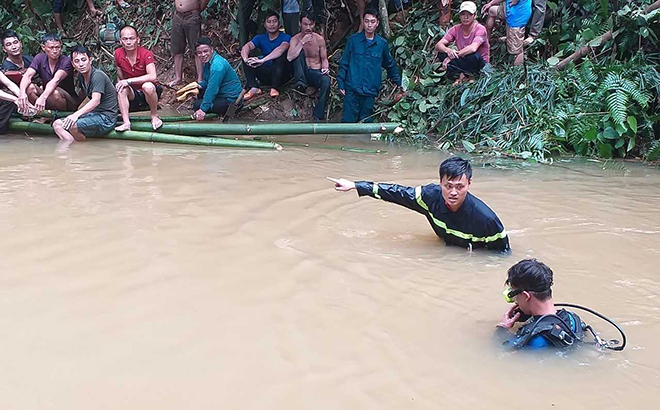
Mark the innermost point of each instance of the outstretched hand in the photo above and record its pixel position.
(342, 184)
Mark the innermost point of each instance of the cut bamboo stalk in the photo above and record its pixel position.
(44, 129)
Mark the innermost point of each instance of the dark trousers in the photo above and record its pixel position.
(357, 107)
(7, 108)
(291, 23)
(469, 64)
(220, 105)
(273, 75)
(305, 76)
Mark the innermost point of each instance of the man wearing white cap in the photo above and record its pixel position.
(471, 40)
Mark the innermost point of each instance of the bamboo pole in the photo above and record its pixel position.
(270, 129)
(164, 118)
(44, 129)
(597, 42)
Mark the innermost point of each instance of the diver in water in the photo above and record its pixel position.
(529, 287)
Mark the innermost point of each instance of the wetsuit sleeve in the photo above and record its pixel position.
(398, 194)
(343, 65)
(390, 65)
(496, 237)
(216, 75)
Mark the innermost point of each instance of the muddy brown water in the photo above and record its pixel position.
(144, 276)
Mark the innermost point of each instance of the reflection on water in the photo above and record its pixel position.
(141, 276)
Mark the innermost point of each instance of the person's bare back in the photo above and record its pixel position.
(183, 6)
(312, 44)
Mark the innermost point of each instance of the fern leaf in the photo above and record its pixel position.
(617, 102)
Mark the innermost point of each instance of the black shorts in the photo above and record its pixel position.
(139, 103)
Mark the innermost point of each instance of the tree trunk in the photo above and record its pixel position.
(242, 34)
(579, 54)
(384, 18)
(445, 12)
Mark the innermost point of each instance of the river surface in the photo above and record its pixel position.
(145, 276)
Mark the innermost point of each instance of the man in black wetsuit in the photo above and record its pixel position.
(529, 287)
(458, 217)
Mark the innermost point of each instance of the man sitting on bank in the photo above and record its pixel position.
(271, 68)
(137, 87)
(16, 63)
(310, 62)
(457, 216)
(56, 74)
(99, 115)
(220, 86)
(359, 77)
(471, 39)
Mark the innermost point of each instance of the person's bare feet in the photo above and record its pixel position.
(460, 80)
(124, 127)
(123, 4)
(156, 122)
(175, 82)
(95, 12)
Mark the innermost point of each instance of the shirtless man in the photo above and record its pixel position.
(310, 62)
(56, 73)
(186, 28)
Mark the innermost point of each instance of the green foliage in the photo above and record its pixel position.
(605, 109)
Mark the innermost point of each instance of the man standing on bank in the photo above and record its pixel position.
(186, 29)
(99, 115)
(359, 77)
(457, 216)
(220, 85)
(137, 87)
(310, 62)
(271, 68)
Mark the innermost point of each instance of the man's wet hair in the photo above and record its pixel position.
(455, 167)
(8, 34)
(80, 49)
(50, 37)
(271, 13)
(203, 41)
(532, 276)
(308, 15)
(372, 11)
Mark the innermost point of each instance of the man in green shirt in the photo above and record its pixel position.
(99, 115)
(220, 85)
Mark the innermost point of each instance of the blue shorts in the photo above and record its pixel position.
(94, 124)
(58, 6)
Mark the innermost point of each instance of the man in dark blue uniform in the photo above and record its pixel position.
(458, 217)
(359, 77)
(529, 286)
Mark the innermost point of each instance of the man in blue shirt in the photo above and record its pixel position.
(359, 77)
(291, 16)
(516, 14)
(271, 67)
(220, 85)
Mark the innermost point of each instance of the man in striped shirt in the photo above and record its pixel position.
(457, 216)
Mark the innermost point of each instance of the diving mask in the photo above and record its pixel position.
(510, 294)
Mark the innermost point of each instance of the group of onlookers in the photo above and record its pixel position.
(269, 60)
